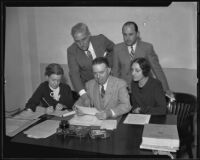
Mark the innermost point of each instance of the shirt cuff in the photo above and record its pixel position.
(113, 113)
(81, 92)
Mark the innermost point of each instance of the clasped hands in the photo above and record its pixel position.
(59, 107)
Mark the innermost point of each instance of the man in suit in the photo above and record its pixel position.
(131, 48)
(81, 53)
(107, 94)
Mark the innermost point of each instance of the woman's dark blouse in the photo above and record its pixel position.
(43, 91)
(150, 98)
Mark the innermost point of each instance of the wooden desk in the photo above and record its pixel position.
(124, 141)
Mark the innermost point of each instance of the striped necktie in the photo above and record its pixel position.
(102, 91)
(89, 55)
(132, 53)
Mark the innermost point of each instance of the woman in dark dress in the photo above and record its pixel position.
(148, 96)
(52, 93)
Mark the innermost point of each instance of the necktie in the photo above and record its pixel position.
(102, 91)
(89, 55)
(132, 54)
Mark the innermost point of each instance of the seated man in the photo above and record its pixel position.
(107, 94)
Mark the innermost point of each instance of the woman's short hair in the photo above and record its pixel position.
(54, 68)
(144, 65)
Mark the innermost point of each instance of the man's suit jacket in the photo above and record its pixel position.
(80, 66)
(116, 96)
(122, 61)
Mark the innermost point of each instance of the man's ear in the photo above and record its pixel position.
(46, 78)
(109, 70)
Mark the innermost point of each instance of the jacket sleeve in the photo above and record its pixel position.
(115, 67)
(35, 99)
(156, 68)
(123, 101)
(67, 97)
(74, 72)
(109, 49)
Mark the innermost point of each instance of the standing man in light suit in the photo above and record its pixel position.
(81, 53)
(107, 94)
(131, 48)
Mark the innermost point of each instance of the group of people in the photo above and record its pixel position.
(114, 78)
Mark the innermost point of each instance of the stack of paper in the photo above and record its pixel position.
(85, 120)
(137, 119)
(43, 130)
(160, 137)
(14, 126)
(109, 124)
(87, 110)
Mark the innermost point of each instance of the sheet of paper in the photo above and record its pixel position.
(109, 124)
(29, 115)
(62, 113)
(43, 130)
(85, 120)
(88, 110)
(137, 119)
(14, 126)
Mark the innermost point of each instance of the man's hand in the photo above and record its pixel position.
(170, 95)
(101, 115)
(85, 100)
(136, 110)
(49, 109)
(104, 114)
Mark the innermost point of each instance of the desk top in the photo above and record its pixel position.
(125, 140)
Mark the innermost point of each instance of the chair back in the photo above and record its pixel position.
(184, 107)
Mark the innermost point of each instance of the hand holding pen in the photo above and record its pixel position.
(49, 109)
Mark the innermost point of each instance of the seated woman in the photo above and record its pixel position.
(52, 94)
(148, 96)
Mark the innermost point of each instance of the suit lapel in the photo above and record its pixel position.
(83, 57)
(97, 96)
(109, 91)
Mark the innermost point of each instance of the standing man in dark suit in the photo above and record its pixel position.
(81, 53)
(131, 48)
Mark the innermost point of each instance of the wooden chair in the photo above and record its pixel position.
(184, 107)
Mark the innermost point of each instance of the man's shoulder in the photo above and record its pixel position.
(145, 44)
(117, 80)
(90, 82)
(98, 37)
(72, 47)
(119, 45)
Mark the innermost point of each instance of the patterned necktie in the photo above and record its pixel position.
(102, 91)
(89, 55)
(132, 53)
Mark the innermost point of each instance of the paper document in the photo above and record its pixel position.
(109, 124)
(62, 113)
(14, 126)
(30, 115)
(88, 110)
(43, 130)
(137, 119)
(85, 120)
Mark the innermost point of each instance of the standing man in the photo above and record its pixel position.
(131, 48)
(108, 94)
(81, 53)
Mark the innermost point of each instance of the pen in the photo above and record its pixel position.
(45, 101)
